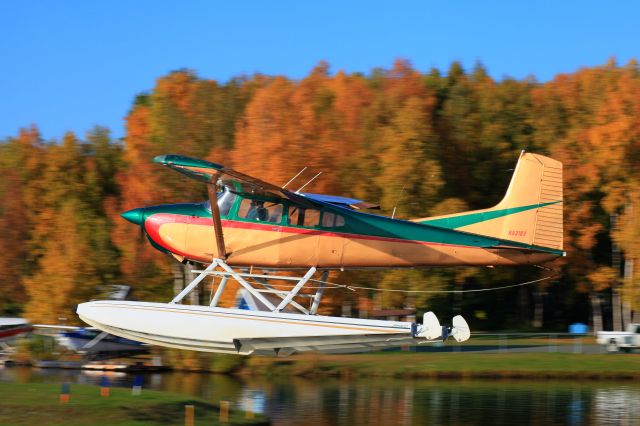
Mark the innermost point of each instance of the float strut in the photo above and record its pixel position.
(219, 291)
(318, 296)
(296, 289)
(245, 284)
(193, 283)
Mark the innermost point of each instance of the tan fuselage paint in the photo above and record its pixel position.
(278, 248)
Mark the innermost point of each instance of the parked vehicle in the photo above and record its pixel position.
(625, 341)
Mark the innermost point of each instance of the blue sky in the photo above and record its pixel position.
(69, 65)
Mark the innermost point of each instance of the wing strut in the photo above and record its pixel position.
(215, 216)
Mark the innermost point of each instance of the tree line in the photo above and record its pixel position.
(422, 143)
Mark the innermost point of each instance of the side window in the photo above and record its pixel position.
(296, 216)
(303, 217)
(311, 217)
(275, 212)
(330, 220)
(260, 211)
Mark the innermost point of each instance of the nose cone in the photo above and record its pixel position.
(134, 216)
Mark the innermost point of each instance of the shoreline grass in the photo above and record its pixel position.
(452, 365)
(38, 403)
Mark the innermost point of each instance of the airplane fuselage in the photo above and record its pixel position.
(329, 237)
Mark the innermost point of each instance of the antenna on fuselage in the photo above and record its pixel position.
(308, 182)
(397, 201)
(293, 178)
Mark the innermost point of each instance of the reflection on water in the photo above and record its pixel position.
(330, 401)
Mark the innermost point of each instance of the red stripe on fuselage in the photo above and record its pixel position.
(154, 222)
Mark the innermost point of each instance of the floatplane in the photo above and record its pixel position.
(12, 329)
(94, 343)
(249, 225)
(90, 342)
(87, 341)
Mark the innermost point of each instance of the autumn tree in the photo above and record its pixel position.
(19, 164)
(70, 237)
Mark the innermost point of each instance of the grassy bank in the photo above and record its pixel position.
(38, 403)
(452, 365)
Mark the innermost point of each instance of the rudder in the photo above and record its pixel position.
(529, 213)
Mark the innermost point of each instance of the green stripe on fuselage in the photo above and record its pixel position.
(366, 224)
(455, 222)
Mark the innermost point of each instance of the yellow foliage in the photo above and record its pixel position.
(602, 278)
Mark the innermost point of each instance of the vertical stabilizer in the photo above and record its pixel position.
(529, 213)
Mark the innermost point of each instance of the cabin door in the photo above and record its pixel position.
(331, 241)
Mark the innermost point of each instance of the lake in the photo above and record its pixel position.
(372, 401)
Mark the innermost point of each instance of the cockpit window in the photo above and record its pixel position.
(260, 211)
(225, 202)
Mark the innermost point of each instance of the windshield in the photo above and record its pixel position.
(225, 202)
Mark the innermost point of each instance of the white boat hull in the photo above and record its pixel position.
(238, 331)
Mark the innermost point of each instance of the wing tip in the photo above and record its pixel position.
(160, 159)
(184, 161)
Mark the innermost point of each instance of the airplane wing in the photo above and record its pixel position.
(208, 172)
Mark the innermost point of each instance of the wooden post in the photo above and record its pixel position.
(65, 393)
(224, 411)
(189, 415)
(249, 414)
(136, 390)
(194, 296)
(104, 386)
(178, 277)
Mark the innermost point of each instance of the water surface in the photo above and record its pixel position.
(374, 401)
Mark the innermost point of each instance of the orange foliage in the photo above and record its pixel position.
(448, 138)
